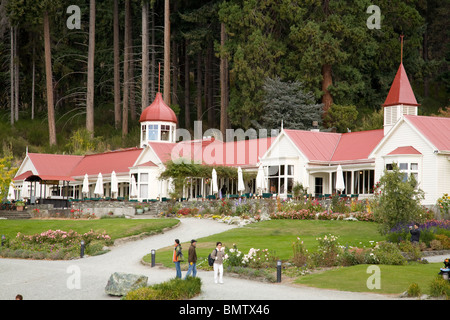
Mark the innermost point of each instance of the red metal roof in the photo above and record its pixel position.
(315, 145)
(54, 164)
(23, 176)
(357, 145)
(119, 161)
(158, 111)
(401, 91)
(404, 150)
(163, 150)
(435, 129)
(325, 146)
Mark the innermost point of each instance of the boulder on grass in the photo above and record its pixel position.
(119, 284)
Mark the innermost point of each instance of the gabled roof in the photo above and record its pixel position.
(54, 164)
(163, 150)
(401, 91)
(318, 146)
(435, 129)
(404, 150)
(119, 161)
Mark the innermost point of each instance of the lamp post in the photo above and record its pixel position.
(279, 271)
(153, 257)
(82, 249)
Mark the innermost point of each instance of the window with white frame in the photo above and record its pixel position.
(409, 168)
(153, 132)
(281, 178)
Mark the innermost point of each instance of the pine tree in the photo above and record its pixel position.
(291, 103)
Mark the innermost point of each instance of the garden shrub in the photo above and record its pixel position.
(440, 287)
(412, 251)
(301, 256)
(397, 201)
(389, 253)
(174, 289)
(414, 290)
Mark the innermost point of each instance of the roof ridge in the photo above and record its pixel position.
(336, 146)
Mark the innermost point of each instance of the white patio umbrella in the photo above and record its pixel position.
(340, 185)
(214, 187)
(85, 189)
(241, 185)
(261, 184)
(11, 194)
(24, 192)
(99, 185)
(133, 187)
(114, 185)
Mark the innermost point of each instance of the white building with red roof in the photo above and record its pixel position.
(420, 145)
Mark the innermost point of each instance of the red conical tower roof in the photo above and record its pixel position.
(158, 111)
(401, 91)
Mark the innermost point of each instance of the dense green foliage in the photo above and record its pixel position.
(398, 200)
(289, 40)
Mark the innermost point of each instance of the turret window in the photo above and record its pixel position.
(165, 132)
(153, 132)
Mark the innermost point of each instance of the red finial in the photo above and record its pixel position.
(159, 77)
(401, 50)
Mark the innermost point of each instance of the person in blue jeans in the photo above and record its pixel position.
(177, 257)
(192, 259)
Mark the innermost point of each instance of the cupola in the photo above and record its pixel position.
(158, 122)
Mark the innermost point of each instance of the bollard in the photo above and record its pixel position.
(82, 249)
(153, 257)
(3, 240)
(279, 271)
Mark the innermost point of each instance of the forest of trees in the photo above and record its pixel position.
(59, 75)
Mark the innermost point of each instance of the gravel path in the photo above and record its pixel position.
(56, 280)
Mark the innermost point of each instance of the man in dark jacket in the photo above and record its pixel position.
(415, 233)
(192, 259)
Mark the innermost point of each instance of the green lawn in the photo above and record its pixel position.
(115, 228)
(278, 236)
(393, 279)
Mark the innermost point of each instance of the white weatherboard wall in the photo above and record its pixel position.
(406, 135)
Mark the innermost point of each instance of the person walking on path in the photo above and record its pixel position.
(192, 259)
(218, 255)
(177, 257)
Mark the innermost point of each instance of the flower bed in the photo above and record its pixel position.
(305, 214)
(55, 245)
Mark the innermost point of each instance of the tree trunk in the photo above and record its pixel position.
(187, 89)
(153, 64)
(175, 68)
(126, 74)
(327, 98)
(209, 85)
(90, 76)
(11, 75)
(131, 70)
(223, 83)
(199, 87)
(49, 82)
(16, 75)
(33, 83)
(117, 117)
(167, 52)
(145, 66)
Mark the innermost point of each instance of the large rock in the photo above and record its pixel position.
(119, 284)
